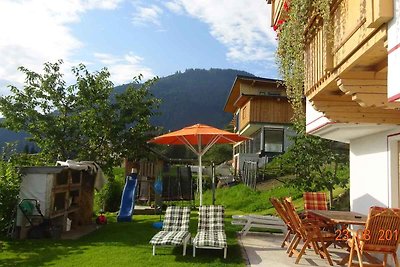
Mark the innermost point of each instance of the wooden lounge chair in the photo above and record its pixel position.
(211, 229)
(175, 230)
(308, 232)
(257, 221)
(280, 209)
(381, 235)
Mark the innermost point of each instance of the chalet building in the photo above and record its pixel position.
(352, 86)
(261, 111)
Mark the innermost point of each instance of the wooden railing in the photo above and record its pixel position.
(277, 11)
(357, 25)
(318, 58)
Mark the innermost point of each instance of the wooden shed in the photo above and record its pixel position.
(65, 193)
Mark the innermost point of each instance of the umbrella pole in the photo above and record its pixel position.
(200, 181)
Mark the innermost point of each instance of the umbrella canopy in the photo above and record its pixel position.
(199, 138)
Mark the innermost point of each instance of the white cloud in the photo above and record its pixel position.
(36, 31)
(124, 68)
(147, 15)
(242, 26)
(174, 6)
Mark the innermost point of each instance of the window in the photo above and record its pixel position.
(237, 122)
(273, 140)
(256, 146)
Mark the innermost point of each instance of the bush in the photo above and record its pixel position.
(109, 197)
(10, 180)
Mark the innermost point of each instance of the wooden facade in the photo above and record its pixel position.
(346, 76)
(258, 100)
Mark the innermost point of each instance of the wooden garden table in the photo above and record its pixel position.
(342, 218)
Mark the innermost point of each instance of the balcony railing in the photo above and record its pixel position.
(357, 42)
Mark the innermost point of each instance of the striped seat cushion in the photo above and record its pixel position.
(211, 218)
(176, 219)
(164, 238)
(210, 239)
(314, 201)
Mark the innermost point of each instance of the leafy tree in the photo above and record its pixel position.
(83, 121)
(219, 153)
(317, 164)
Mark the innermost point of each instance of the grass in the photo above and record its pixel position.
(118, 244)
(241, 200)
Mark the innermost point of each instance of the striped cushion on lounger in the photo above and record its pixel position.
(210, 239)
(211, 218)
(176, 219)
(175, 229)
(166, 238)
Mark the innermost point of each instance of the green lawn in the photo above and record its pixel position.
(127, 244)
(118, 244)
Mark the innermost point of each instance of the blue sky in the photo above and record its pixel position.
(151, 37)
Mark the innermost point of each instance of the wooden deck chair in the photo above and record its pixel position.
(308, 232)
(211, 229)
(381, 235)
(314, 201)
(175, 230)
(280, 209)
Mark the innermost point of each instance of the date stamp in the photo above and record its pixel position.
(381, 235)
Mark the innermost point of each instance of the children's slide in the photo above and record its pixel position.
(128, 199)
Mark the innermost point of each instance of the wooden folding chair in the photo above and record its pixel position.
(310, 233)
(381, 235)
(280, 209)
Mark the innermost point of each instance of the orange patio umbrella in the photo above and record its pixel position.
(199, 138)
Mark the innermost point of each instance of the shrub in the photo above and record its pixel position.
(109, 197)
(10, 180)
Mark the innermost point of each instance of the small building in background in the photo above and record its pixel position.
(57, 196)
(260, 110)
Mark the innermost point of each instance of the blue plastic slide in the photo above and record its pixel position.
(128, 199)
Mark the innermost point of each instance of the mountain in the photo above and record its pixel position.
(7, 136)
(189, 97)
(193, 96)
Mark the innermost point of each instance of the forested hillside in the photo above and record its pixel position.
(193, 96)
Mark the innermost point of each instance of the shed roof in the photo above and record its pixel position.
(42, 169)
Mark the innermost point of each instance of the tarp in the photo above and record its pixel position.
(89, 166)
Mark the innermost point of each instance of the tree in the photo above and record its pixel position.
(219, 153)
(317, 164)
(83, 121)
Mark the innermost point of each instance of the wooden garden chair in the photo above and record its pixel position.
(308, 232)
(381, 235)
(211, 229)
(280, 209)
(175, 230)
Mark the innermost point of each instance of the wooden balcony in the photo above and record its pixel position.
(278, 12)
(346, 75)
(265, 110)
